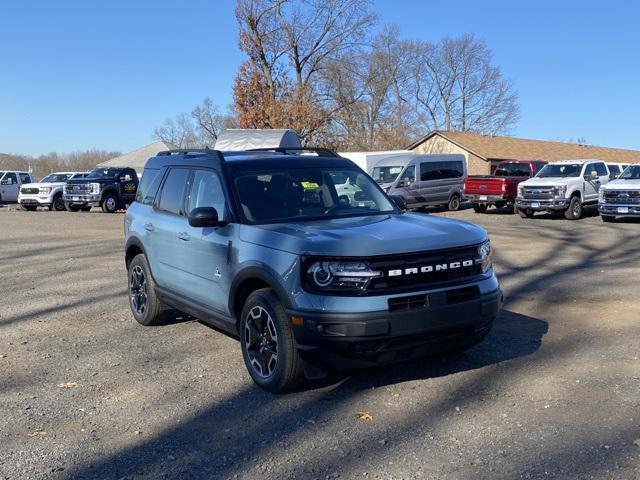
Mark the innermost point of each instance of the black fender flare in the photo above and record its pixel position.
(262, 273)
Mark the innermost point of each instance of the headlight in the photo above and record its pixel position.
(340, 276)
(95, 188)
(601, 195)
(560, 190)
(45, 190)
(484, 252)
(64, 188)
(521, 190)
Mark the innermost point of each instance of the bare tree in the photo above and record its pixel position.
(82, 160)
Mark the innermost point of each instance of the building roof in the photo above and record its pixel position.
(489, 147)
(137, 158)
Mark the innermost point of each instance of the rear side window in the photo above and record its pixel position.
(148, 187)
(601, 168)
(25, 178)
(614, 169)
(173, 190)
(440, 170)
(207, 192)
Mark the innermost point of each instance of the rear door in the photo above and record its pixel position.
(166, 226)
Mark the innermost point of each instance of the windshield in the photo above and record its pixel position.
(386, 174)
(513, 170)
(275, 196)
(55, 178)
(632, 172)
(103, 173)
(560, 170)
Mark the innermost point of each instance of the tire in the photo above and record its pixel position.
(454, 203)
(145, 306)
(526, 213)
(29, 208)
(58, 203)
(608, 218)
(268, 345)
(110, 203)
(479, 207)
(574, 212)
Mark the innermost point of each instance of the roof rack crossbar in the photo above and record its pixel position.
(322, 152)
(190, 151)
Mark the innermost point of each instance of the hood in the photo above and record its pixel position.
(549, 181)
(42, 184)
(366, 236)
(622, 184)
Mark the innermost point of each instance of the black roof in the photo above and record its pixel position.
(248, 160)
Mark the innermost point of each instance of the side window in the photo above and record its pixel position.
(132, 173)
(450, 169)
(589, 168)
(428, 171)
(173, 189)
(148, 187)
(10, 179)
(206, 191)
(25, 178)
(601, 168)
(409, 175)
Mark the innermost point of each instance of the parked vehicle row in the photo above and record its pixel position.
(110, 189)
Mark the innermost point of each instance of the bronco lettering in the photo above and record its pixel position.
(431, 268)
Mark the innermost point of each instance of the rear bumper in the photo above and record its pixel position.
(542, 205)
(355, 340)
(619, 210)
(478, 198)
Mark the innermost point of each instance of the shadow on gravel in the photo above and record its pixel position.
(253, 422)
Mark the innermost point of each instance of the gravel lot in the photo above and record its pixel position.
(85, 392)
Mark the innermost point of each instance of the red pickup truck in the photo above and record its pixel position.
(501, 188)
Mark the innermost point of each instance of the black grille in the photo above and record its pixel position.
(541, 193)
(79, 188)
(407, 303)
(411, 281)
(622, 196)
(29, 191)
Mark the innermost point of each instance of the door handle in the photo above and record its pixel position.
(184, 236)
(148, 227)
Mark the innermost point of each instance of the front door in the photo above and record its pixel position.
(207, 261)
(591, 187)
(9, 187)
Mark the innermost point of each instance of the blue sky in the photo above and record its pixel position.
(82, 74)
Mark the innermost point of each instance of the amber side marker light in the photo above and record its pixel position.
(297, 321)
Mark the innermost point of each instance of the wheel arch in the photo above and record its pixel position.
(248, 281)
(133, 247)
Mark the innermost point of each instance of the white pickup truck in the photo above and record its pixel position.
(10, 182)
(48, 192)
(621, 197)
(565, 186)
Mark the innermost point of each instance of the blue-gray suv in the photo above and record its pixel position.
(301, 255)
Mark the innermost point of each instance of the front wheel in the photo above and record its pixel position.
(268, 345)
(58, 203)
(110, 203)
(454, 203)
(479, 207)
(574, 212)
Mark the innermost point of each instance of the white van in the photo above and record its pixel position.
(423, 179)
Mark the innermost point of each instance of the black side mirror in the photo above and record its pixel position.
(400, 201)
(205, 217)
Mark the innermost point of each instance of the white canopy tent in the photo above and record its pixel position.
(246, 139)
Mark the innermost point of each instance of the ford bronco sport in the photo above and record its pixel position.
(262, 246)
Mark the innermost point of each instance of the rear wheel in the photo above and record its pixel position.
(454, 203)
(479, 207)
(146, 307)
(268, 345)
(109, 203)
(607, 218)
(574, 212)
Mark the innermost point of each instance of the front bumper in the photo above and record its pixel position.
(619, 210)
(542, 205)
(487, 198)
(82, 199)
(24, 199)
(354, 340)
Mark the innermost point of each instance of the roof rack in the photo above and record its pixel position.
(188, 151)
(322, 152)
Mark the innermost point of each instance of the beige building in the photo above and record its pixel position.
(484, 152)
